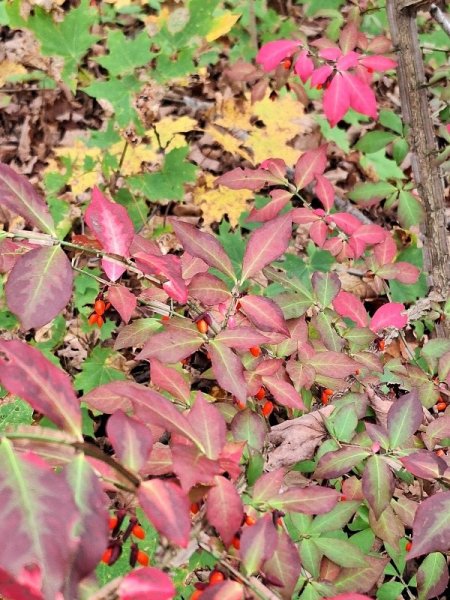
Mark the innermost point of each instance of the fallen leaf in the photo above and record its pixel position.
(215, 202)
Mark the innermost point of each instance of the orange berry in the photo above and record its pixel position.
(440, 406)
(440, 452)
(216, 577)
(287, 62)
(328, 392)
(107, 555)
(260, 394)
(165, 319)
(241, 405)
(408, 546)
(195, 508)
(236, 543)
(99, 307)
(142, 558)
(93, 319)
(267, 408)
(196, 595)
(381, 345)
(100, 321)
(202, 326)
(138, 532)
(249, 520)
(255, 351)
(112, 522)
(343, 498)
(280, 522)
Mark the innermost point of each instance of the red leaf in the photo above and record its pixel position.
(112, 227)
(386, 251)
(389, 315)
(348, 305)
(132, 440)
(146, 583)
(404, 272)
(271, 54)
(25, 372)
(302, 216)
(336, 100)
(304, 66)
(258, 544)
(312, 500)
(279, 200)
(123, 301)
(25, 587)
(39, 286)
(203, 245)
(320, 75)
(172, 344)
(362, 97)
(208, 289)
(342, 365)
(248, 179)
(404, 418)
(324, 191)
(208, 423)
(424, 464)
(431, 527)
(347, 223)
(284, 566)
(170, 267)
(268, 485)
(276, 166)
(378, 63)
(227, 590)
(224, 509)
(192, 467)
(167, 507)
(191, 265)
(136, 333)
(20, 197)
(170, 380)
(264, 314)
(247, 426)
(309, 165)
(228, 369)
(241, 338)
(318, 233)
(284, 393)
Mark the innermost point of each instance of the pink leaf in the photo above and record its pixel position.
(192, 467)
(25, 587)
(249, 427)
(304, 66)
(264, 314)
(362, 97)
(191, 266)
(378, 63)
(336, 100)
(280, 198)
(167, 507)
(20, 197)
(348, 61)
(268, 485)
(284, 393)
(330, 53)
(272, 53)
(169, 379)
(146, 583)
(132, 440)
(348, 305)
(170, 267)
(25, 372)
(318, 233)
(172, 344)
(203, 245)
(343, 365)
(303, 216)
(309, 165)
(224, 509)
(208, 289)
(227, 590)
(228, 369)
(389, 315)
(276, 166)
(385, 251)
(248, 179)
(364, 236)
(265, 245)
(312, 500)
(123, 301)
(320, 75)
(112, 227)
(324, 191)
(284, 565)
(349, 37)
(258, 544)
(208, 423)
(241, 338)
(347, 223)
(39, 286)
(404, 272)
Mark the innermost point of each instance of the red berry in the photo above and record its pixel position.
(381, 345)
(236, 543)
(165, 319)
(202, 326)
(138, 532)
(93, 319)
(100, 321)
(408, 546)
(440, 406)
(107, 555)
(255, 351)
(99, 307)
(319, 86)
(287, 62)
(369, 70)
(142, 558)
(249, 520)
(267, 408)
(196, 595)
(195, 508)
(260, 394)
(113, 522)
(216, 577)
(241, 405)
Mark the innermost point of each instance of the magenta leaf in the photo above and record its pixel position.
(25, 372)
(389, 315)
(170, 380)
(403, 272)
(304, 66)
(241, 338)
(146, 583)
(264, 314)
(378, 484)
(265, 245)
(20, 197)
(280, 198)
(224, 509)
(192, 467)
(27, 586)
(39, 286)
(335, 464)
(208, 423)
(37, 502)
(170, 267)
(271, 54)
(167, 507)
(336, 100)
(203, 245)
(348, 305)
(320, 75)
(248, 179)
(208, 289)
(112, 227)
(326, 286)
(172, 344)
(92, 529)
(123, 301)
(284, 565)
(424, 464)
(431, 526)
(309, 165)
(362, 97)
(378, 63)
(228, 369)
(132, 440)
(324, 190)
(258, 544)
(284, 393)
(404, 418)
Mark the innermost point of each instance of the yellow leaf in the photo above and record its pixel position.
(221, 26)
(216, 202)
(8, 69)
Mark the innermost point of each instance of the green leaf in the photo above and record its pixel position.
(373, 141)
(400, 149)
(333, 134)
(368, 191)
(341, 552)
(410, 210)
(136, 207)
(119, 92)
(311, 556)
(96, 371)
(392, 121)
(384, 167)
(432, 576)
(167, 184)
(15, 413)
(86, 290)
(378, 484)
(390, 590)
(410, 293)
(343, 422)
(336, 519)
(125, 53)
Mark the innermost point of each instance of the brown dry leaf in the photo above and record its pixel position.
(257, 132)
(216, 202)
(9, 68)
(297, 439)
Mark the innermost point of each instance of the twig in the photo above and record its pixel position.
(252, 24)
(440, 18)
